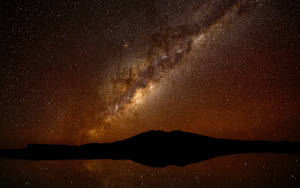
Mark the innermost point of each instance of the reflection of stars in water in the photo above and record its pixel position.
(108, 70)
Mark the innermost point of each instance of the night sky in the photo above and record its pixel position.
(75, 72)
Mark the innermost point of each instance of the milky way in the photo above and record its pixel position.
(76, 72)
(167, 49)
(102, 71)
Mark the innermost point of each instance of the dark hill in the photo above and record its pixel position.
(153, 148)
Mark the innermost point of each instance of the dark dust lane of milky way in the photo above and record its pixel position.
(78, 72)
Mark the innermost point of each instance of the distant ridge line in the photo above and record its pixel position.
(154, 148)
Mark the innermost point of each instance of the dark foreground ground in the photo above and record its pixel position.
(153, 148)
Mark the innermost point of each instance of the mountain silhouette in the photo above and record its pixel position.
(153, 148)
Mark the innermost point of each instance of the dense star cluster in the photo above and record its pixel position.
(74, 72)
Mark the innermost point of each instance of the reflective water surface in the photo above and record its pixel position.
(242, 170)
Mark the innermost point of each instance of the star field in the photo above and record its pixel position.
(74, 72)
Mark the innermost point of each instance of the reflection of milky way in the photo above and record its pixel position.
(77, 72)
(165, 50)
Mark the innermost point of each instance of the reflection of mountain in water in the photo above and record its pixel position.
(153, 148)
